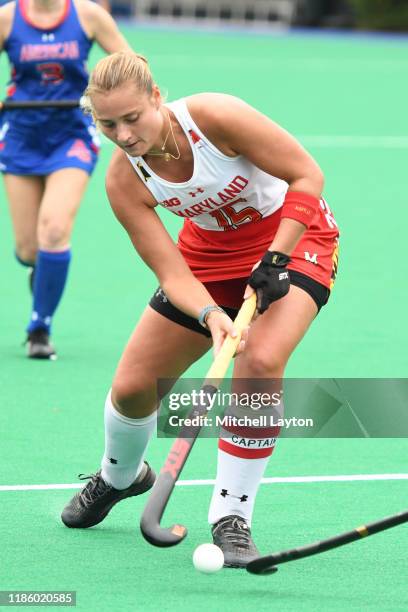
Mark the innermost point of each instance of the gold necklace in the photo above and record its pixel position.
(163, 153)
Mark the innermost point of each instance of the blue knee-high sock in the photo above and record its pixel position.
(51, 271)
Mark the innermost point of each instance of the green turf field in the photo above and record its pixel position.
(345, 99)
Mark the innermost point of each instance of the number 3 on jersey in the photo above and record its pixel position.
(52, 73)
(228, 218)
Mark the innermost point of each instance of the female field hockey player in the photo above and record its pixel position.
(47, 155)
(254, 219)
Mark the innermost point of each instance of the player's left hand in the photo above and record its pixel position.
(270, 279)
(221, 326)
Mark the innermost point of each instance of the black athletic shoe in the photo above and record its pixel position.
(39, 345)
(233, 536)
(90, 506)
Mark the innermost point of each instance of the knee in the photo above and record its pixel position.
(26, 253)
(261, 362)
(52, 233)
(133, 398)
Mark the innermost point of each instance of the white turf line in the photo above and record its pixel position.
(187, 483)
(355, 142)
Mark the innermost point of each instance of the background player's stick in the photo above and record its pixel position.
(266, 565)
(177, 457)
(14, 104)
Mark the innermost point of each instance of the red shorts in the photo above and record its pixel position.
(220, 256)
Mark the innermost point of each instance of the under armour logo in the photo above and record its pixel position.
(242, 498)
(114, 461)
(196, 191)
(48, 37)
(161, 295)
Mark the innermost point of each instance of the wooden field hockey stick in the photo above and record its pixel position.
(33, 104)
(180, 450)
(266, 565)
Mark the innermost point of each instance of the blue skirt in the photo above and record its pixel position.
(39, 150)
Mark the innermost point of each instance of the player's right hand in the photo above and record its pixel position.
(221, 326)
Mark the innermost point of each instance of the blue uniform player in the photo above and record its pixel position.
(47, 155)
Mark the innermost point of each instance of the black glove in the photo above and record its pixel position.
(270, 279)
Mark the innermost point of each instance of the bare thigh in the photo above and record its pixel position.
(157, 349)
(274, 336)
(24, 194)
(60, 203)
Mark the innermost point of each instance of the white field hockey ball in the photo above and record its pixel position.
(208, 558)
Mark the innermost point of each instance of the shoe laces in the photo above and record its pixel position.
(95, 488)
(236, 531)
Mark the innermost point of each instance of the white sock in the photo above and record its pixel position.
(126, 441)
(243, 454)
(236, 486)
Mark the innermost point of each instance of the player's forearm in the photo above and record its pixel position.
(300, 206)
(288, 235)
(187, 294)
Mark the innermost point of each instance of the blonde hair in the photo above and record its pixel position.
(113, 71)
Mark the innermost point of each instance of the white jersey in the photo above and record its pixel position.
(223, 192)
